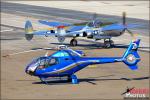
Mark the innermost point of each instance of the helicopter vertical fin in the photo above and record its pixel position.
(131, 56)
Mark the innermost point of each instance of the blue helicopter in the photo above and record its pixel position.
(66, 62)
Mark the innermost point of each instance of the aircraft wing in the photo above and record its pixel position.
(75, 28)
(53, 24)
(118, 27)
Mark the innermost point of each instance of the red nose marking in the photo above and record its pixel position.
(60, 26)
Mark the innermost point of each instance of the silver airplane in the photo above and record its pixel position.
(95, 29)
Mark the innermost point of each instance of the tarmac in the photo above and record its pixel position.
(106, 81)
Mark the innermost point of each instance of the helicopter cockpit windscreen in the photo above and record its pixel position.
(43, 62)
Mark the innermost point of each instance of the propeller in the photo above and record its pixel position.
(125, 24)
(96, 22)
(130, 32)
(124, 18)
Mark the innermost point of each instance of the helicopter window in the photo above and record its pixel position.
(52, 61)
(61, 54)
(46, 62)
(42, 62)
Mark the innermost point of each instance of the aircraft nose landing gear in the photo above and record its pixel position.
(108, 43)
(73, 42)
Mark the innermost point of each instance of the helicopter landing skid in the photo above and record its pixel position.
(74, 79)
(43, 80)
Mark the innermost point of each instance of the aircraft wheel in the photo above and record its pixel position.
(112, 42)
(73, 42)
(107, 44)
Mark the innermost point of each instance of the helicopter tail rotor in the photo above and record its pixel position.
(131, 57)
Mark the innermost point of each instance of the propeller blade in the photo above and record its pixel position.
(94, 19)
(94, 16)
(132, 34)
(124, 18)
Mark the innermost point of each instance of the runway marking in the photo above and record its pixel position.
(6, 30)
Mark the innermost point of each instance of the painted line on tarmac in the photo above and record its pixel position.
(7, 30)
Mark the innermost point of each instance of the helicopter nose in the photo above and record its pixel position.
(30, 70)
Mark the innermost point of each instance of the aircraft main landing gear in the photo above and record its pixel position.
(108, 43)
(73, 42)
